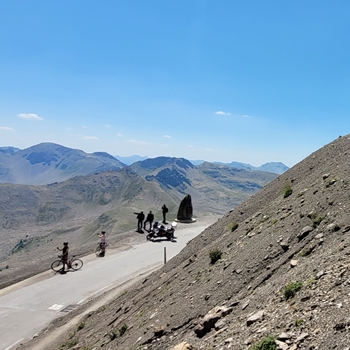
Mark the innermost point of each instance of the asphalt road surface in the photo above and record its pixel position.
(29, 306)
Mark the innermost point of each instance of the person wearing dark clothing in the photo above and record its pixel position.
(164, 211)
(103, 243)
(64, 257)
(149, 218)
(140, 217)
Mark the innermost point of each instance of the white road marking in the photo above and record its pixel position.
(56, 307)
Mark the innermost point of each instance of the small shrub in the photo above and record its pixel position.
(81, 326)
(119, 332)
(291, 289)
(113, 335)
(287, 192)
(215, 255)
(298, 322)
(69, 344)
(233, 226)
(311, 281)
(317, 221)
(268, 343)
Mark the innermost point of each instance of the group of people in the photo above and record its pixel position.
(141, 222)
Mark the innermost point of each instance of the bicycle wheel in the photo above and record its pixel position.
(98, 250)
(76, 264)
(57, 265)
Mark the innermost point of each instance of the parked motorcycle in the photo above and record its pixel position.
(160, 231)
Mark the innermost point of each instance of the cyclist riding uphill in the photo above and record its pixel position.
(64, 257)
(103, 242)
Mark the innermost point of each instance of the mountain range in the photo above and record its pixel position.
(48, 163)
(273, 167)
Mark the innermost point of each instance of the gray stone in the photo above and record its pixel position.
(245, 304)
(302, 336)
(284, 246)
(320, 274)
(281, 345)
(256, 317)
(183, 346)
(220, 324)
(293, 263)
(283, 336)
(304, 232)
(209, 320)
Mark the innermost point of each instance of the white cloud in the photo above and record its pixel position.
(119, 135)
(29, 116)
(6, 128)
(167, 136)
(246, 116)
(222, 113)
(85, 127)
(90, 138)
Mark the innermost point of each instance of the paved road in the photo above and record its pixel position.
(28, 307)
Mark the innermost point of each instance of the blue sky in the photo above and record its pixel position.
(249, 81)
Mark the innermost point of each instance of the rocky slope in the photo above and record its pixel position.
(273, 271)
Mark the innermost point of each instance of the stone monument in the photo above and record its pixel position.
(185, 211)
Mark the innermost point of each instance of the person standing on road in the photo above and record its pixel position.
(149, 218)
(164, 211)
(64, 256)
(103, 243)
(140, 217)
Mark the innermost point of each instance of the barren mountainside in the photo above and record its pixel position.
(273, 271)
(48, 163)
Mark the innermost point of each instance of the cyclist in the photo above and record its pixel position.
(103, 242)
(64, 256)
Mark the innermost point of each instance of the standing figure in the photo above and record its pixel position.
(164, 211)
(103, 243)
(140, 217)
(149, 218)
(64, 257)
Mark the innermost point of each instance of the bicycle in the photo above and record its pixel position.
(75, 264)
(98, 249)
